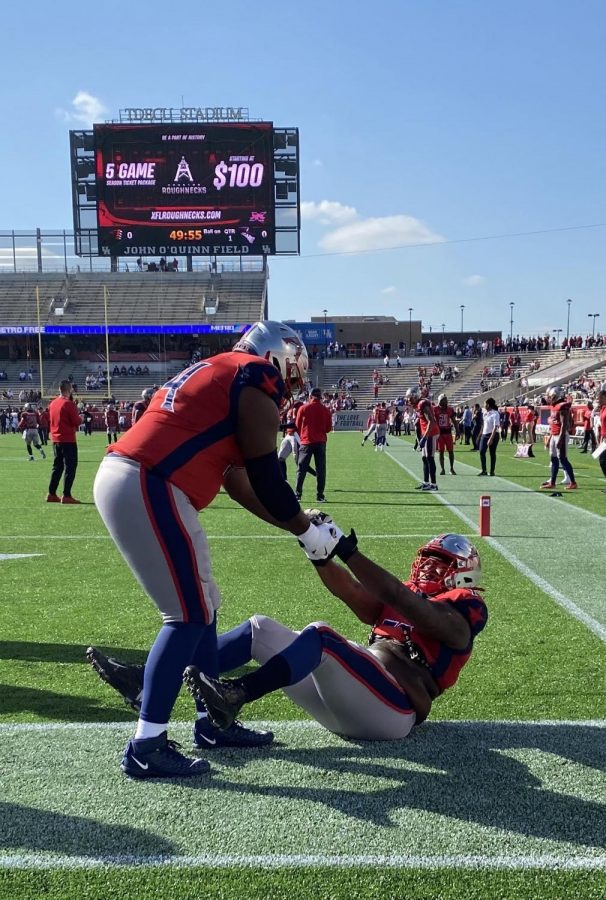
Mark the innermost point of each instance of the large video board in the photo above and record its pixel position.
(171, 189)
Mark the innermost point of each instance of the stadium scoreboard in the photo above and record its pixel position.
(185, 188)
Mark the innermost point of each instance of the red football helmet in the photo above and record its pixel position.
(446, 562)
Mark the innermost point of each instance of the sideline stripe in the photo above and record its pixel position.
(316, 860)
(308, 724)
(565, 602)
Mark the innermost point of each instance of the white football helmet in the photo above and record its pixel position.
(446, 562)
(556, 394)
(147, 394)
(282, 347)
(443, 400)
(413, 396)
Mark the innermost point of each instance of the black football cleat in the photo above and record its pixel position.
(223, 699)
(208, 737)
(126, 679)
(160, 758)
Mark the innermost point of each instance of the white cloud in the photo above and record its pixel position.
(389, 290)
(328, 212)
(379, 233)
(85, 110)
(474, 280)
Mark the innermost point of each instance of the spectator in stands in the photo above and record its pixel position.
(115, 372)
(175, 264)
(314, 423)
(139, 264)
(490, 436)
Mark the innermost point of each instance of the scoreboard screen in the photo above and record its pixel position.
(200, 189)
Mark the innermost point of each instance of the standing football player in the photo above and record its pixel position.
(560, 426)
(427, 444)
(445, 417)
(112, 420)
(29, 425)
(215, 424)
(141, 405)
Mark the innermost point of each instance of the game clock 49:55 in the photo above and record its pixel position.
(191, 234)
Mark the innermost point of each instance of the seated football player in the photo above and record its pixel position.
(422, 635)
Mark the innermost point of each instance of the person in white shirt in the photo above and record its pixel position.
(490, 436)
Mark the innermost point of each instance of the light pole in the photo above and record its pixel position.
(593, 316)
(443, 327)
(557, 332)
(325, 335)
(410, 309)
(462, 309)
(511, 306)
(569, 301)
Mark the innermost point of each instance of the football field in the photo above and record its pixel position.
(500, 794)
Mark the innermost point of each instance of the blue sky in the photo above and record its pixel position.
(424, 124)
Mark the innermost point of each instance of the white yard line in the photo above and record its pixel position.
(540, 521)
(512, 862)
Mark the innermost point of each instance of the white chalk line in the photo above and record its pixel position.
(565, 602)
(314, 861)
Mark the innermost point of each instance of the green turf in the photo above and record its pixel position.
(533, 662)
(323, 884)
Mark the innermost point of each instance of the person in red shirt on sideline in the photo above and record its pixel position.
(44, 426)
(314, 422)
(64, 423)
(445, 417)
(213, 425)
(515, 421)
(427, 444)
(588, 432)
(529, 425)
(560, 426)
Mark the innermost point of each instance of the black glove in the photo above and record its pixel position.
(346, 546)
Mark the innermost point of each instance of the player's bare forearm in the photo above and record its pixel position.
(339, 582)
(439, 620)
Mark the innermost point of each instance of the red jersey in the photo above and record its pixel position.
(444, 418)
(111, 418)
(29, 420)
(516, 418)
(587, 417)
(603, 423)
(44, 420)
(64, 420)
(381, 416)
(555, 419)
(429, 429)
(188, 434)
(444, 662)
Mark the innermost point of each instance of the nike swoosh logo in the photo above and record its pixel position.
(208, 740)
(142, 765)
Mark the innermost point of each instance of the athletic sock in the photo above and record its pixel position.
(147, 730)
